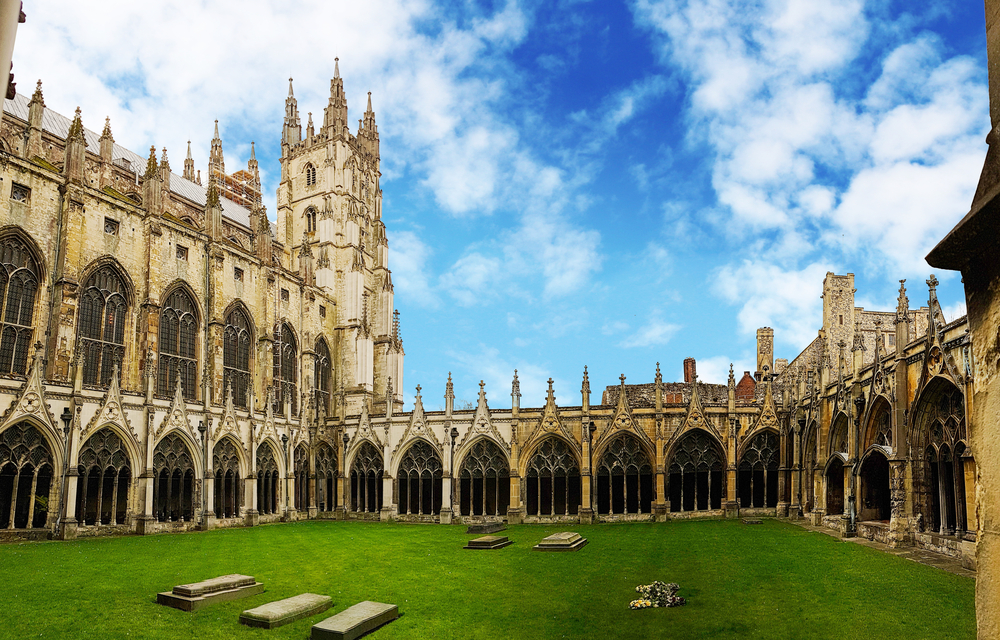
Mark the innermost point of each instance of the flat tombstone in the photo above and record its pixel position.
(282, 612)
(194, 596)
(488, 542)
(489, 527)
(564, 541)
(355, 621)
(752, 521)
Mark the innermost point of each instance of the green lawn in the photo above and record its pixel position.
(775, 580)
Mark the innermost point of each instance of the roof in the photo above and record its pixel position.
(58, 125)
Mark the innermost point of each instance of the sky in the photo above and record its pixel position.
(571, 183)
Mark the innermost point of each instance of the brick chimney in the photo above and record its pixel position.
(690, 372)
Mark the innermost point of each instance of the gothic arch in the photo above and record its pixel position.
(394, 464)
(757, 469)
(28, 476)
(105, 456)
(647, 448)
(243, 464)
(874, 494)
(616, 493)
(542, 439)
(741, 449)
(463, 450)
(193, 446)
(364, 476)
(180, 283)
(839, 436)
(13, 230)
(120, 271)
(242, 306)
(105, 319)
(131, 449)
(551, 476)
(171, 348)
(52, 439)
(483, 460)
(268, 465)
(175, 471)
(419, 474)
(696, 467)
(878, 425)
(238, 340)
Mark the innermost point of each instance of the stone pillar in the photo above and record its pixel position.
(252, 517)
(388, 503)
(515, 512)
(145, 520)
(661, 507)
(795, 509)
(446, 511)
(69, 523)
(898, 522)
(730, 506)
(312, 479)
(586, 481)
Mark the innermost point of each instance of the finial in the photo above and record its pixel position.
(336, 67)
(216, 129)
(369, 101)
(622, 378)
(515, 387)
(290, 93)
(481, 386)
(932, 283)
(252, 155)
(189, 151)
(164, 158)
(107, 127)
(151, 163)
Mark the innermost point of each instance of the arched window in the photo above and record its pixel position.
(173, 484)
(25, 478)
(553, 486)
(301, 462)
(285, 368)
(835, 487)
(236, 355)
(323, 373)
(326, 477)
(875, 495)
(178, 335)
(103, 308)
(18, 286)
(366, 480)
(226, 463)
(949, 470)
(311, 220)
(267, 480)
(696, 480)
(758, 472)
(419, 478)
(105, 474)
(484, 482)
(310, 175)
(624, 478)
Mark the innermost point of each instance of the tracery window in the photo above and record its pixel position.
(419, 477)
(882, 434)
(326, 477)
(301, 466)
(103, 308)
(25, 477)
(758, 472)
(808, 466)
(949, 469)
(624, 478)
(267, 480)
(105, 473)
(695, 480)
(226, 462)
(311, 220)
(236, 340)
(484, 481)
(838, 441)
(323, 373)
(18, 286)
(310, 175)
(178, 335)
(366, 476)
(173, 484)
(553, 483)
(285, 368)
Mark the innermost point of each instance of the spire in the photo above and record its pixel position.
(368, 130)
(217, 131)
(903, 303)
(291, 133)
(107, 142)
(151, 164)
(107, 128)
(310, 131)
(212, 198)
(189, 165)
(76, 127)
(36, 97)
(335, 114)
(336, 69)
(163, 158)
(216, 160)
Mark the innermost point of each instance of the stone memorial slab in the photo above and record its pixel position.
(194, 596)
(488, 527)
(489, 542)
(565, 541)
(752, 521)
(282, 612)
(355, 621)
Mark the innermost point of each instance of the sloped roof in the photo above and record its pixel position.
(58, 125)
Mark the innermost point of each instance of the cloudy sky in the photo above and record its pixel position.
(610, 184)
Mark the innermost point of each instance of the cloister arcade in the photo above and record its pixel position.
(696, 473)
(484, 481)
(625, 478)
(553, 480)
(757, 473)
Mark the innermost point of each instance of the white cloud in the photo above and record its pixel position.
(955, 311)
(497, 371)
(656, 331)
(409, 268)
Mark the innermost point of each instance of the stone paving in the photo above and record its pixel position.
(931, 559)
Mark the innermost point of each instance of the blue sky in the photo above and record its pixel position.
(610, 184)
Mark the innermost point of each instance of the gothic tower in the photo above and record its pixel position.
(330, 222)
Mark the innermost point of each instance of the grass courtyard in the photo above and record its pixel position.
(774, 580)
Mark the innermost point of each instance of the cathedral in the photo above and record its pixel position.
(171, 360)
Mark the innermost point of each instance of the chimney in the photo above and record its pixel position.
(690, 372)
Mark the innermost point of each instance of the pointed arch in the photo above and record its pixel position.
(873, 472)
(27, 468)
(238, 337)
(229, 464)
(322, 374)
(268, 477)
(105, 303)
(175, 470)
(878, 424)
(696, 464)
(286, 367)
(552, 478)
(483, 478)
(625, 476)
(326, 477)
(367, 467)
(757, 470)
(180, 320)
(106, 464)
(419, 474)
(300, 466)
(21, 282)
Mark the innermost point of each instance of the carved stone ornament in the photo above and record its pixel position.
(267, 429)
(228, 423)
(482, 424)
(111, 413)
(177, 417)
(549, 423)
(31, 401)
(768, 417)
(622, 420)
(417, 427)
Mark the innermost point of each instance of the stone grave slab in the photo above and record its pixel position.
(355, 621)
(752, 521)
(282, 612)
(194, 596)
(489, 542)
(488, 527)
(565, 541)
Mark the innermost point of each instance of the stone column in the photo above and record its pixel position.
(586, 480)
(898, 522)
(145, 520)
(388, 501)
(312, 476)
(515, 512)
(795, 509)
(69, 523)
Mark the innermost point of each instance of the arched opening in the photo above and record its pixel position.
(103, 309)
(236, 339)
(624, 478)
(285, 369)
(835, 487)
(301, 477)
(875, 495)
(326, 477)
(178, 339)
(948, 471)
(758, 472)
(267, 480)
(105, 474)
(19, 276)
(226, 462)
(696, 474)
(173, 488)
(419, 479)
(553, 480)
(484, 481)
(808, 469)
(25, 477)
(323, 373)
(366, 477)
